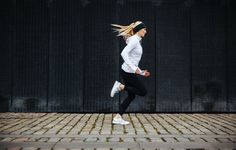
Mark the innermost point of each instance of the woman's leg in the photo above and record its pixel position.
(133, 84)
(126, 103)
(134, 87)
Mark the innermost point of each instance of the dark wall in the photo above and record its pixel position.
(62, 56)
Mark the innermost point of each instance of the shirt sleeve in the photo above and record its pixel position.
(128, 48)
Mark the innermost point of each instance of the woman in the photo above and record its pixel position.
(131, 54)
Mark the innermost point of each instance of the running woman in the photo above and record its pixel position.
(131, 55)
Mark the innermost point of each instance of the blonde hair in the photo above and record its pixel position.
(125, 31)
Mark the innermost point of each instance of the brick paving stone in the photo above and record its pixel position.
(224, 140)
(130, 129)
(13, 148)
(113, 139)
(106, 126)
(210, 139)
(170, 139)
(103, 148)
(181, 139)
(197, 139)
(20, 139)
(156, 139)
(102, 139)
(143, 139)
(39, 132)
(78, 140)
(66, 140)
(117, 129)
(53, 139)
(128, 139)
(91, 139)
(43, 139)
(30, 148)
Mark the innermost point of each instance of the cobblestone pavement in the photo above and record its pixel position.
(64, 131)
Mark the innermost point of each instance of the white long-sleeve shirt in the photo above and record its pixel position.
(132, 54)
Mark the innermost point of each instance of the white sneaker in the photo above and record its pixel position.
(120, 121)
(115, 88)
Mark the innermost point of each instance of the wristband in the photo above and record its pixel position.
(142, 73)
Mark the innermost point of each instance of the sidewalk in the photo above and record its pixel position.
(64, 131)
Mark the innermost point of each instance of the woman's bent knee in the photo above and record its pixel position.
(143, 92)
(132, 96)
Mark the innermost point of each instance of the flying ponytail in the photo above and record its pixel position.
(126, 31)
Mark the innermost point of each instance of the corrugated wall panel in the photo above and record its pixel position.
(101, 57)
(66, 42)
(6, 15)
(29, 54)
(231, 55)
(173, 58)
(208, 53)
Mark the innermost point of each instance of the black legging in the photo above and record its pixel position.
(133, 86)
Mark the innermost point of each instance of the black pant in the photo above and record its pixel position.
(133, 86)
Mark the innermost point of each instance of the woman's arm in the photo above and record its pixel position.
(128, 48)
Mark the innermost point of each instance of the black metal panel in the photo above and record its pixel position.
(5, 57)
(65, 91)
(59, 55)
(231, 55)
(173, 58)
(30, 41)
(101, 57)
(132, 11)
(208, 56)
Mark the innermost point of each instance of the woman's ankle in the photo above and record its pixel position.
(118, 116)
(121, 87)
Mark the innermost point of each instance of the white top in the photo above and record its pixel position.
(132, 54)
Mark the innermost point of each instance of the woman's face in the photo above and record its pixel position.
(142, 32)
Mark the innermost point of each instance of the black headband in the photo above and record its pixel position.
(139, 27)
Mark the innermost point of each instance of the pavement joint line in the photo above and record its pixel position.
(138, 145)
(26, 144)
(116, 135)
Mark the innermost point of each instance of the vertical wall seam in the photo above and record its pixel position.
(191, 59)
(226, 56)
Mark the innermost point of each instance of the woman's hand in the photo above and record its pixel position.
(146, 73)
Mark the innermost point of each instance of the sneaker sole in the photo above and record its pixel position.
(118, 123)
